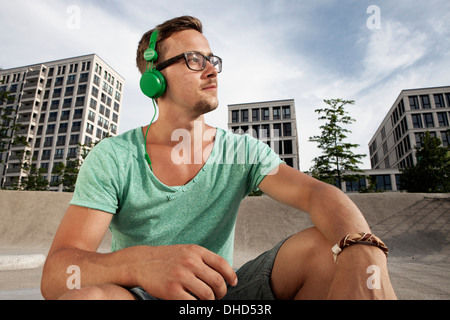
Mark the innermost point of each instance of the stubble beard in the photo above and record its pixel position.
(203, 107)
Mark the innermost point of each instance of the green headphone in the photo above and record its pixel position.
(152, 81)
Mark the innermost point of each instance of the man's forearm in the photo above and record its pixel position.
(92, 268)
(335, 215)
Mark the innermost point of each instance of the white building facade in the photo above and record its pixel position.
(413, 113)
(273, 122)
(56, 106)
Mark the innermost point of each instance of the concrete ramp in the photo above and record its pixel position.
(415, 227)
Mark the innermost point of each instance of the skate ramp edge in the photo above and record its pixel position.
(415, 227)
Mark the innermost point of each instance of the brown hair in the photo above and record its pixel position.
(165, 29)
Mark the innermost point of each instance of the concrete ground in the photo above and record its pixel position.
(415, 227)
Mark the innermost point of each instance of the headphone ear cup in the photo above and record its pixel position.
(153, 84)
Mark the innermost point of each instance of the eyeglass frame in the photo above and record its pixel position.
(168, 62)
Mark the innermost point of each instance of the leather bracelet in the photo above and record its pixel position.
(358, 238)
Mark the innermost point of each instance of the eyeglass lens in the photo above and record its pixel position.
(197, 62)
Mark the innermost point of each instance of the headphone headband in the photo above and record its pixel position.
(150, 54)
(152, 82)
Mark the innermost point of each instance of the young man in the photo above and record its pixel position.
(173, 221)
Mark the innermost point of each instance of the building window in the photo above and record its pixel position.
(69, 91)
(67, 103)
(255, 114)
(235, 116)
(417, 121)
(255, 131)
(71, 79)
(276, 113)
(59, 81)
(93, 104)
(287, 130)
(56, 93)
(63, 127)
(442, 119)
(277, 130)
(97, 80)
(428, 117)
(383, 182)
(46, 154)
(79, 101)
(286, 112)
(82, 89)
(265, 132)
(425, 102)
(91, 116)
(65, 115)
(244, 115)
(89, 128)
(445, 137)
(413, 103)
(74, 139)
(72, 153)
(265, 114)
(439, 101)
(84, 77)
(355, 185)
(87, 140)
(287, 146)
(76, 126)
(61, 141)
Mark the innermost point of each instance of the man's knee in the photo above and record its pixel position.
(304, 260)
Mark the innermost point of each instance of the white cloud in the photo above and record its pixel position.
(392, 48)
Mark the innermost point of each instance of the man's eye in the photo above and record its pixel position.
(194, 58)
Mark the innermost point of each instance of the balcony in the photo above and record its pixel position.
(28, 96)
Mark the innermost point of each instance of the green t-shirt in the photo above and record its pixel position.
(115, 178)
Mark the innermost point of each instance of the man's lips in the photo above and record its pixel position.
(210, 87)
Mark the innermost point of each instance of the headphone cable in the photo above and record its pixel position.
(147, 157)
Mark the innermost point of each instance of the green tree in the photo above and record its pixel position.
(337, 156)
(432, 171)
(34, 181)
(10, 134)
(68, 173)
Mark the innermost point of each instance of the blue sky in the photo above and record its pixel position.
(272, 49)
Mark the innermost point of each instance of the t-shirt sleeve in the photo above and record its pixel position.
(263, 161)
(97, 183)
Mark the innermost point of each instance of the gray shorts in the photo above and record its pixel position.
(253, 280)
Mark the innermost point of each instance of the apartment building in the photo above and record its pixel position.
(273, 122)
(414, 112)
(56, 106)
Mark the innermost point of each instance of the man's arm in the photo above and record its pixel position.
(331, 211)
(335, 216)
(168, 272)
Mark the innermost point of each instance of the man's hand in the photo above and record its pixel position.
(182, 272)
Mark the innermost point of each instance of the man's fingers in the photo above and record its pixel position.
(221, 265)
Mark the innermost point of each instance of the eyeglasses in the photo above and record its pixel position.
(194, 61)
